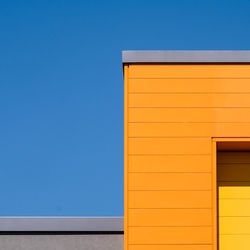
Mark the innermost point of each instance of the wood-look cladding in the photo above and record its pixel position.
(173, 112)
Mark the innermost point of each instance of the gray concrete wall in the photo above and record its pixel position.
(62, 242)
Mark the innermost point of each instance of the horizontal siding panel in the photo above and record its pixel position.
(170, 217)
(234, 190)
(189, 129)
(169, 181)
(188, 85)
(170, 247)
(189, 115)
(169, 146)
(189, 71)
(234, 207)
(233, 242)
(170, 235)
(234, 225)
(233, 157)
(169, 163)
(189, 100)
(169, 199)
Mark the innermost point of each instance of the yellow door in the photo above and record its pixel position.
(234, 200)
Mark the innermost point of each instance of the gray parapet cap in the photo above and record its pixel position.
(186, 56)
(100, 224)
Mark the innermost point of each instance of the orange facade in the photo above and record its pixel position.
(174, 115)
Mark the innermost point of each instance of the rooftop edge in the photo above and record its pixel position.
(186, 56)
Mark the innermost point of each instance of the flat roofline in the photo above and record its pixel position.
(60, 224)
(186, 56)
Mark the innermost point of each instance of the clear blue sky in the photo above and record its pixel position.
(61, 92)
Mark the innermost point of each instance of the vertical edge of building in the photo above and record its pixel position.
(126, 78)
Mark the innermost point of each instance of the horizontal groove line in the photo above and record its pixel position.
(188, 107)
(205, 138)
(176, 208)
(181, 190)
(175, 190)
(175, 107)
(184, 137)
(234, 163)
(170, 172)
(169, 154)
(186, 123)
(234, 198)
(187, 93)
(233, 181)
(222, 216)
(151, 78)
(167, 137)
(236, 234)
(170, 208)
(173, 244)
(205, 226)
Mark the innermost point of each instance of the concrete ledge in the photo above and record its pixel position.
(189, 56)
(61, 242)
(100, 224)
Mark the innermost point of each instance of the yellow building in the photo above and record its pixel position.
(187, 150)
